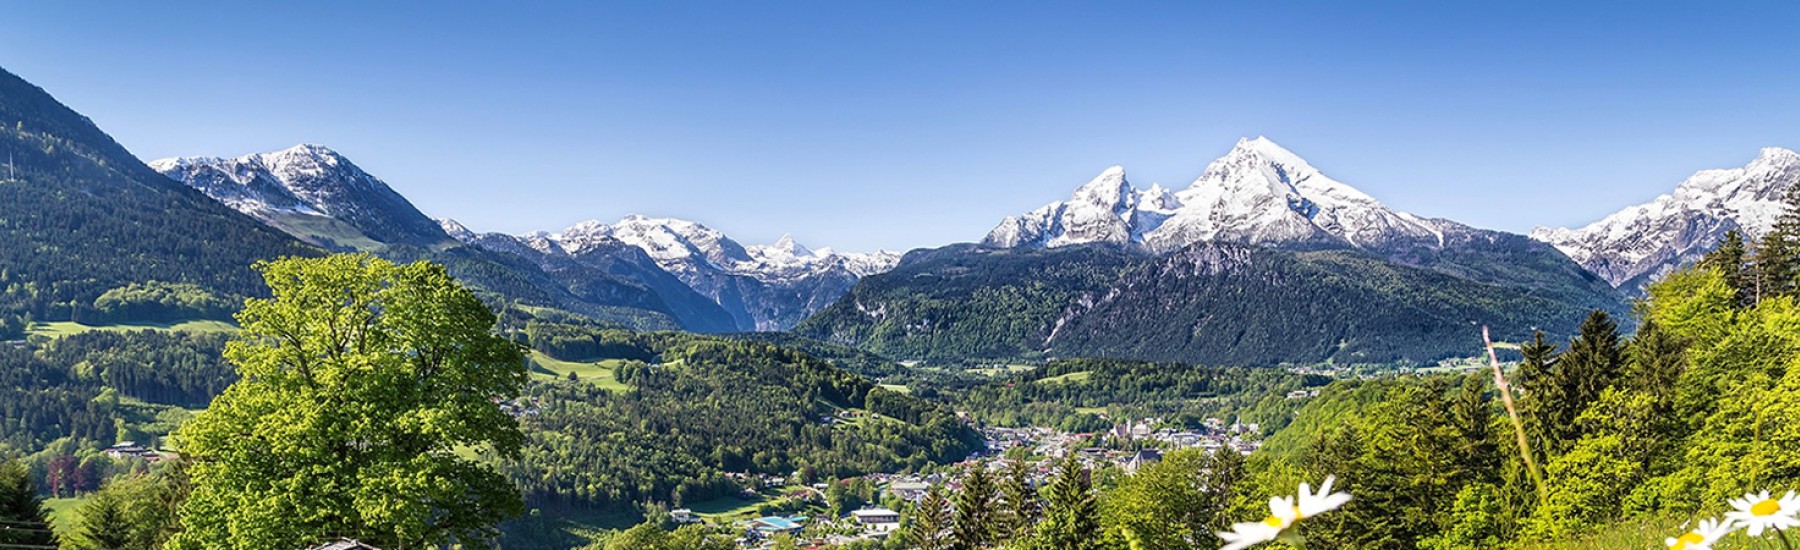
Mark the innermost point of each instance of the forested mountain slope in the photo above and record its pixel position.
(79, 215)
(1210, 303)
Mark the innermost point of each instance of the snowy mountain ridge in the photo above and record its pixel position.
(1638, 244)
(758, 287)
(295, 187)
(682, 246)
(1257, 193)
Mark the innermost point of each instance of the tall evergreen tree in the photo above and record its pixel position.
(1732, 259)
(1473, 416)
(1541, 391)
(975, 510)
(1596, 358)
(1071, 517)
(929, 526)
(1018, 503)
(23, 520)
(1778, 254)
(103, 524)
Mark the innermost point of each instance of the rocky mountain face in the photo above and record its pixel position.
(1641, 243)
(311, 192)
(759, 288)
(1262, 194)
(692, 275)
(1262, 259)
(1258, 193)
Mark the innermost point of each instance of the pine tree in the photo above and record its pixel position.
(1778, 254)
(1657, 360)
(1018, 506)
(1473, 416)
(1729, 258)
(103, 524)
(21, 510)
(930, 521)
(1071, 518)
(1596, 358)
(1541, 391)
(1594, 361)
(974, 526)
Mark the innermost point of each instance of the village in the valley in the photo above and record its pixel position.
(1127, 446)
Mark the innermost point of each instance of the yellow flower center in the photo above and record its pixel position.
(1273, 521)
(1765, 508)
(1690, 538)
(1297, 515)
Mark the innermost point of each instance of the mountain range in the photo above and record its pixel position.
(1261, 239)
(81, 217)
(696, 276)
(1641, 243)
(1263, 259)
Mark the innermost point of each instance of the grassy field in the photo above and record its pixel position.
(896, 388)
(63, 511)
(65, 328)
(997, 371)
(727, 509)
(598, 373)
(1081, 376)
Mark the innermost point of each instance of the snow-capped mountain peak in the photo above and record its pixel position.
(456, 229)
(1638, 244)
(306, 180)
(1258, 192)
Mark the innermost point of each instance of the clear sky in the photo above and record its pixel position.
(863, 125)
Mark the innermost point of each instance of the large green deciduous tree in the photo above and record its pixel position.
(360, 380)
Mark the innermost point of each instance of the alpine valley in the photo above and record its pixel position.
(656, 372)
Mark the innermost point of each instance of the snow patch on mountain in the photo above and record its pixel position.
(685, 246)
(1639, 244)
(305, 180)
(1257, 193)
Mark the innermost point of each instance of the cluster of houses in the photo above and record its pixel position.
(131, 449)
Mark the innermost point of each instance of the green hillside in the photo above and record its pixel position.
(82, 216)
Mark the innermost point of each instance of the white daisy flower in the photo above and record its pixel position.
(1284, 512)
(1759, 512)
(1702, 537)
(1324, 501)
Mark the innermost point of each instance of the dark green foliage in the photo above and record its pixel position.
(1018, 506)
(966, 301)
(1243, 305)
(1777, 260)
(12, 327)
(930, 522)
(1732, 260)
(518, 281)
(157, 301)
(179, 368)
(56, 390)
(1071, 513)
(1051, 395)
(23, 520)
(86, 217)
(1209, 303)
(1557, 388)
(974, 526)
(711, 406)
(845, 357)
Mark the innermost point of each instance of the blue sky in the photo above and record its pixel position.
(864, 125)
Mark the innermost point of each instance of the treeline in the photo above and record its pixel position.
(710, 406)
(1699, 406)
(100, 387)
(1063, 393)
(966, 301)
(1219, 303)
